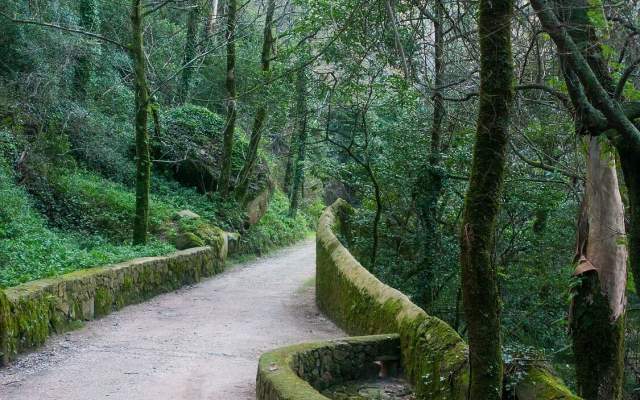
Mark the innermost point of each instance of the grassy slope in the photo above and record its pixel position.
(91, 217)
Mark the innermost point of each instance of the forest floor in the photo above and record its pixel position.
(200, 342)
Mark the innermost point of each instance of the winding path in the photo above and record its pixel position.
(201, 342)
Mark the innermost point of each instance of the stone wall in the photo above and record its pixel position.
(301, 371)
(29, 313)
(434, 356)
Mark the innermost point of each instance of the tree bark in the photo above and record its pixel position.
(230, 125)
(89, 21)
(598, 306)
(143, 158)
(301, 142)
(211, 19)
(261, 114)
(189, 52)
(429, 184)
(479, 282)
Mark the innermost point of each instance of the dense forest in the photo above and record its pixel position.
(490, 150)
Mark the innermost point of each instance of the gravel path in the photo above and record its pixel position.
(200, 342)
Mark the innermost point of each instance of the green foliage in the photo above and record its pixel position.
(276, 228)
(29, 249)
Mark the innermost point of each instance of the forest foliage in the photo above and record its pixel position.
(373, 101)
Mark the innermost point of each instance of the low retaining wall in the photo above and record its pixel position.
(29, 313)
(301, 371)
(434, 356)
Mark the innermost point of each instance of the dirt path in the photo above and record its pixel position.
(201, 342)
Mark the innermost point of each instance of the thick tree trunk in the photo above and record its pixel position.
(598, 306)
(143, 158)
(230, 125)
(479, 283)
(301, 142)
(261, 114)
(189, 52)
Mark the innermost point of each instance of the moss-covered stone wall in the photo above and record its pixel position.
(301, 371)
(434, 356)
(29, 313)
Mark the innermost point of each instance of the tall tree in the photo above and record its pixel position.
(429, 184)
(89, 21)
(189, 51)
(479, 283)
(301, 141)
(143, 157)
(211, 18)
(230, 125)
(261, 114)
(598, 306)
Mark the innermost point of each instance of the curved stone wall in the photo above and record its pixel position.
(434, 357)
(302, 371)
(29, 313)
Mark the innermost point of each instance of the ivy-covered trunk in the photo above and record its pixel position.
(261, 114)
(301, 141)
(479, 283)
(598, 306)
(143, 158)
(230, 83)
(89, 21)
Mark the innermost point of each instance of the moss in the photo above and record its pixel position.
(433, 354)
(598, 343)
(300, 371)
(540, 383)
(29, 313)
(103, 302)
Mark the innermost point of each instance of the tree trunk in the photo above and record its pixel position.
(211, 19)
(429, 184)
(261, 114)
(298, 164)
(630, 162)
(89, 21)
(143, 158)
(288, 168)
(189, 52)
(598, 306)
(479, 283)
(230, 125)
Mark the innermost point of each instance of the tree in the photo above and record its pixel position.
(261, 113)
(301, 141)
(598, 307)
(89, 21)
(189, 51)
(230, 125)
(479, 282)
(143, 157)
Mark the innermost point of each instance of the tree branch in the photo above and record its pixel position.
(65, 29)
